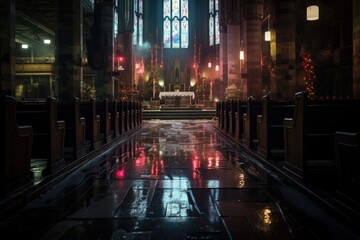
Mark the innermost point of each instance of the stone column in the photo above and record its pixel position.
(233, 40)
(7, 47)
(285, 80)
(104, 83)
(223, 61)
(356, 49)
(69, 49)
(125, 40)
(253, 11)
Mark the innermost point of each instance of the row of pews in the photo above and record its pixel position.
(60, 132)
(316, 141)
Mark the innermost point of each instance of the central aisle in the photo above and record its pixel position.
(176, 180)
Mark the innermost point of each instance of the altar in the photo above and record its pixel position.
(177, 99)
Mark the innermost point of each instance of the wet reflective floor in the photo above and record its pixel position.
(173, 180)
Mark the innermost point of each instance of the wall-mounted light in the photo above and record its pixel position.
(268, 35)
(312, 12)
(209, 64)
(24, 46)
(217, 67)
(242, 53)
(47, 41)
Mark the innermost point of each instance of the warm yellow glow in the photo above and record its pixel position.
(242, 56)
(312, 13)
(209, 64)
(192, 82)
(19, 90)
(217, 67)
(161, 83)
(267, 36)
(267, 216)
(241, 180)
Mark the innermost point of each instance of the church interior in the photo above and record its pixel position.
(108, 104)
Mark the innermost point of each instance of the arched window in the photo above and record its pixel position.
(176, 23)
(138, 22)
(116, 18)
(214, 32)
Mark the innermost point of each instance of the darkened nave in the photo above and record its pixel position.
(180, 119)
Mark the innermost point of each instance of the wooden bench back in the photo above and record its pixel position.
(75, 126)
(92, 130)
(102, 109)
(15, 147)
(49, 132)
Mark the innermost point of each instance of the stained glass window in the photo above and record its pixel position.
(214, 31)
(176, 23)
(138, 22)
(116, 19)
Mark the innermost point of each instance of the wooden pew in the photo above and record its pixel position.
(126, 114)
(239, 121)
(137, 113)
(217, 113)
(115, 115)
(120, 109)
(232, 115)
(222, 115)
(131, 114)
(92, 129)
(75, 128)
(102, 109)
(15, 147)
(253, 108)
(48, 131)
(347, 149)
(309, 136)
(270, 128)
(140, 108)
(227, 116)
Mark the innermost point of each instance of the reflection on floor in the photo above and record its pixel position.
(173, 180)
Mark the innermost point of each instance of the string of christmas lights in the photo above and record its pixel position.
(310, 76)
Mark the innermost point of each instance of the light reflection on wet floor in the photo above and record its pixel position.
(171, 180)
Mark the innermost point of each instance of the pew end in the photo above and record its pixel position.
(15, 169)
(347, 146)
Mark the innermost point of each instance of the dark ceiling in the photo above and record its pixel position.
(36, 20)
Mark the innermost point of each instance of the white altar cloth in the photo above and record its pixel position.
(174, 94)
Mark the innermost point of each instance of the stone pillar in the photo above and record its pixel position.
(129, 59)
(285, 50)
(7, 47)
(104, 83)
(223, 59)
(356, 49)
(233, 40)
(252, 75)
(69, 49)
(125, 39)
